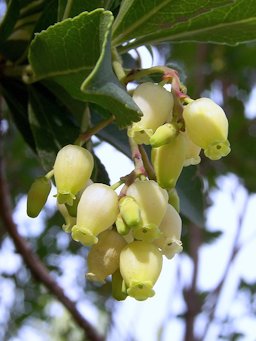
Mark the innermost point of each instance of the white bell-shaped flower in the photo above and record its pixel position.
(72, 169)
(170, 227)
(103, 258)
(140, 267)
(156, 104)
(97, 210)
(152, 201)
(207, 126)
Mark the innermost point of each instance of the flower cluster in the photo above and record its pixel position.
(129, 233)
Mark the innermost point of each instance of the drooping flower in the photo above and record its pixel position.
(152, 201)
(103, 257)
(97, 210)
(170, 227)
(72, 169)
(140, 267)
(168, 161)
(156, 104)
(207, 126)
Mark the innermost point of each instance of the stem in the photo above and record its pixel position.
(147, 164)
(137, 158)
(117, 184)
(49, 175)
(191, 297)
(68, 9)
(84, 137)
(37, 268)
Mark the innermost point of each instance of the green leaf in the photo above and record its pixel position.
(111, 134)
(78, 7)
(51, 124)
(190, 190)
(228, 22)
(67, 54)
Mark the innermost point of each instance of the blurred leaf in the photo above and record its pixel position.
(78, 7)
(32, 17)
(16, 96)
(190, 190)
(52, 56)
(139, 22)
(51, 124)
(211, 236)
(9, 20)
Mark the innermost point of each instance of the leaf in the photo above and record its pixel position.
(190, 190)
(16, 96)
(29, 18)
(99, 172)
(9, 20)
(111, 134)
(228, 22)
(67, 54)
(78, 7)
(51, 124)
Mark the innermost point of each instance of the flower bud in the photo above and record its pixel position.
(121, 227)
(103, 258)
(168, 161)
(207, 126)
(140, 267)
(69, 220)
(130, 211)
(152, 201)
(163, 135)
(72, 169)
(118, 286)
(96, 212)
(156, 104)
(37, 196)
(170, 227)
(192, 152)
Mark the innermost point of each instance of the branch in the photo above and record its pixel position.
(37, 268)
(190, 295)
(215, 294)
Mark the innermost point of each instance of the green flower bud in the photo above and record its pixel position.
(163, 135)
(140, 267)
(72, 169)
(118, 286)
(130, 211)
(103, 258)
(192, 152)
(37, 196)
(69, 220)
(156, 104)
(168, 161)
(170, 227)
(207, 126)
(96, 212)
(152, 201)
(174, 199)
(121, 227)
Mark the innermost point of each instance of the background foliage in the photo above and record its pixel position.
(55, 60)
